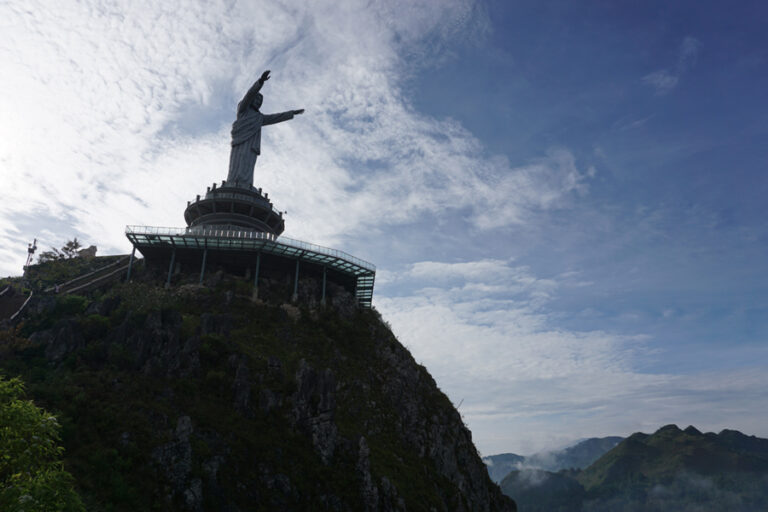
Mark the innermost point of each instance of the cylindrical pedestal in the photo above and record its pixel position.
(234, 208)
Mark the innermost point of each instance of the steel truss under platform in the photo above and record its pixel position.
(148, 239)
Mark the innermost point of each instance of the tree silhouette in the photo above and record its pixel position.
(68, 251)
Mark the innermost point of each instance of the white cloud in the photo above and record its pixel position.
(662, 80)
(688, 51)
(665, 80)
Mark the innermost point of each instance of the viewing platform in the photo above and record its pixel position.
(247, 249)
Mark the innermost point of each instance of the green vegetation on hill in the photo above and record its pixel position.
(539, 490)
(197, 398)
(578, 456)
(661, 456)
(670, 470)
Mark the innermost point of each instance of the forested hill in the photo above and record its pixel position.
(197, 398)
(669, 470)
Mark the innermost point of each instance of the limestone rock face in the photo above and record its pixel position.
(314, 404)
(206, 400)
(174, 460)
(88, 252)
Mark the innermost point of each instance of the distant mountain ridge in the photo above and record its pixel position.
(577, 456)
(669, 470)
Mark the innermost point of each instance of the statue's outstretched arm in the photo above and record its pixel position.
(282, 116)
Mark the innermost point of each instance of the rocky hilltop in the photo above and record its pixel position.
(198, 398)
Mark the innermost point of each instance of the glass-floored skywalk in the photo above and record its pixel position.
(255, 242)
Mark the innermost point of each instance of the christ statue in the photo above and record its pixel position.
(246, 134)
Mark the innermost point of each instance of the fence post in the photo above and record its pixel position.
(170, 268)
(202, 267)
(322, 300)
(130, 265)
(256, 277)
(296, 284)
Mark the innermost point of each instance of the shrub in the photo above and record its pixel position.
(31, 474)
(71, 304)
(95, 326)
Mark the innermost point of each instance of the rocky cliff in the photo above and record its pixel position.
(197, 398)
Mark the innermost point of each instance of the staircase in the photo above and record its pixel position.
(11, 302)
(107, 274)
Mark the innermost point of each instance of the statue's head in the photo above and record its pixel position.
(257, 101)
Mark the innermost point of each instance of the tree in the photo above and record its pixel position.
(53, 255)
(68, 251)
(32, 477)
(70, 248)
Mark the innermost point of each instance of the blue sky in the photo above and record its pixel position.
(565, 201)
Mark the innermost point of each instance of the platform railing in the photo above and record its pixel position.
(216, 194)
(248, 235)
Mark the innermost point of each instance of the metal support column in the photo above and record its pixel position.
(322, 300)
(296, 284)
(130, 265)
(256, 277)
(202, 267)
(170, 268)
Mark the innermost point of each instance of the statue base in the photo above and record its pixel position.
(229, 207)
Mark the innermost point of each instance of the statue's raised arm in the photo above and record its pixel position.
(246, 134)
(252, 92)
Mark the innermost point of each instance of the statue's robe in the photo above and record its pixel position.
(246, 143)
